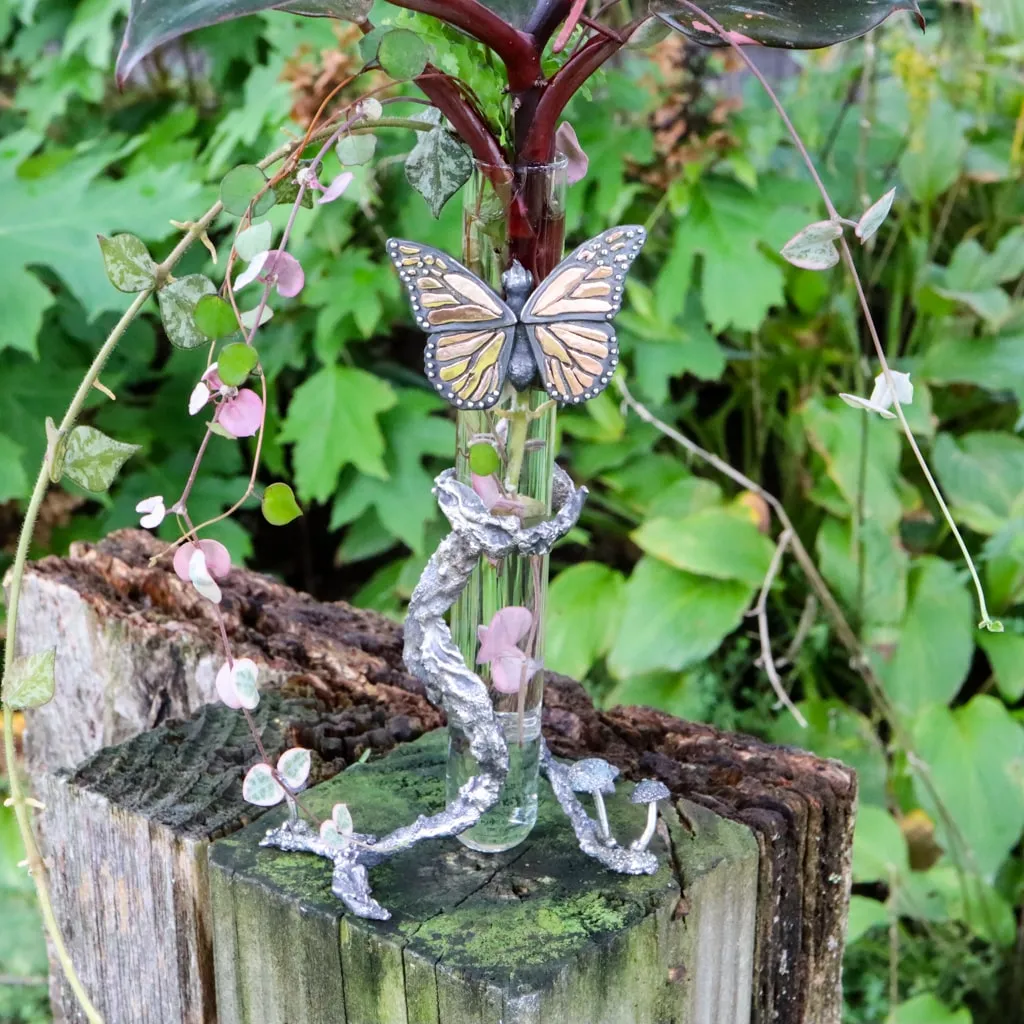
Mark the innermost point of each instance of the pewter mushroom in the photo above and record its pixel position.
(594, 776)
(649, 791)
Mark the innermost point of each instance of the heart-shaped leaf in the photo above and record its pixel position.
(279, 505)
(439, 164)
(215, 318)
(792, 24)
(236, 361)
(293, 766)
(240, 186)
(402, 54)
(128, 263)
(354, 150)
(178, 302)
(814, 247)
(29, 682)
(92, 460)
(151, 23)
(261, 788)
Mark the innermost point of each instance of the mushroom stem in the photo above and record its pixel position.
(602, 816)
(652, 823)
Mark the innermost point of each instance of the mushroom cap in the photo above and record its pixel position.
(592, 775)
(649, 791)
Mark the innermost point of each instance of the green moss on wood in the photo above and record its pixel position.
(539, 933)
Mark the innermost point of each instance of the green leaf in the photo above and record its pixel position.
(714, 542)
(402, 54)
(93, 460)
(236, 361)
(673, 619)
(1005, 653)
(583, 609)
(151, 23)
(241, 185)
(128, 263)
(402, 502)
(844, 554)
(814, 247)
(792, 24)
(13, 479)
(996, 364)
(483, 459)
(74, 205)
(439, 164)
(837, 433)
(935, 643)
(864, 914)
(215, 318)
(879, 849)
(355, 150)
(29, 682)
(253, 240)
(926, 1009)
(982, 475)
(974, 759)
(332, 420)
(935, 154)
(279, 505)
(948, 893)
(178, 302)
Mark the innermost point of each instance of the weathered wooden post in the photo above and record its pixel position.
(745, 920)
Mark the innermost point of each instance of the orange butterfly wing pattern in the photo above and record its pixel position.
(568, 317)
(469, 328)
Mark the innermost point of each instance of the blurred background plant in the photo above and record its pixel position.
(721, 338)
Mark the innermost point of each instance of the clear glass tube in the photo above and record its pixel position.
(499, 618)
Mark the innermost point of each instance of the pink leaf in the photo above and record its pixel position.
(226, 689)
(242, 415)
(507, 628)
(337, 187)
(568, 145)
(286, 271)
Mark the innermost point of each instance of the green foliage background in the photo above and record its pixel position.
(720, 337)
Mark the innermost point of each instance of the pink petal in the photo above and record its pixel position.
(568, 145)
(218, 561)
(507, 672)
(337, 187)
(211, 378)
(242, 415)
(488, 489)
(507, 628)
(287, 270)
(226, 689)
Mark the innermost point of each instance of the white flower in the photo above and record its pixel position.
(199, 397)
(199, 574)
(252, 271)
(881, 400)
(152, 511)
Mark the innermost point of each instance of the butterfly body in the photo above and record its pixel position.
(560, 332)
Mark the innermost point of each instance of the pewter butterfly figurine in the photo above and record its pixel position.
(561, 331)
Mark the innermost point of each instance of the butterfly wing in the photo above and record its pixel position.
(568, 318)
(469, 328)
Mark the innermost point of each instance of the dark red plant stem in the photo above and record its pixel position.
(545, 19)
(538, 145)
(472, 127)
(516, 49)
